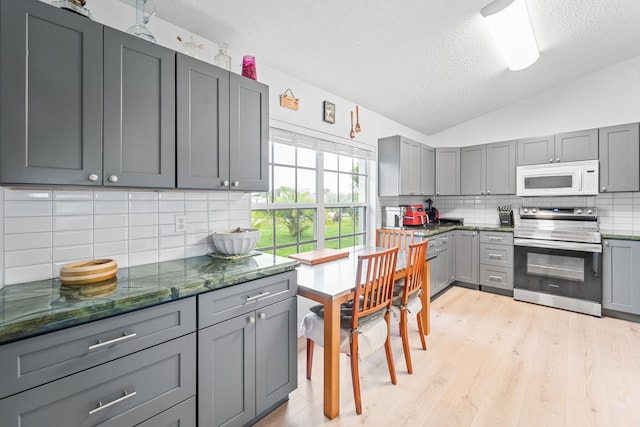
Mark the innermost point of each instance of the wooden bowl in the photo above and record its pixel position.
(88, 271)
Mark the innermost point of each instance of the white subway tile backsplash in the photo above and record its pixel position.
(72, 208)
(195, 196)
(110, 221)
(195, 205)
(15, 242)
(143, 195)
(110, 249)
(21, 208)
(171, 206)
(168, 217)
(28, 273)
(143, 232)
(143, 219)
(28, 257)
(111, 207)
(72, 238)
(218, 215)
(171, 241)
(197, 227)
(80, 222)
(171, 195)
(196, 239)
(27, 224)
(143, 206)
(111, 195)
(143, 245)
(141, 258)
(72, 253)
(72, 195)
(197, 217)
(196, 250)
(218, 195)
(26, 195)
(110, 234)
(168, 230)
(171, 254)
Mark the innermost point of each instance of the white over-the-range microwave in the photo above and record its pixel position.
(558, 179)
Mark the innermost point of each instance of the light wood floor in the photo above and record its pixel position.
(490, 361)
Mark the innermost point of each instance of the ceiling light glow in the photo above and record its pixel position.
(509, 23)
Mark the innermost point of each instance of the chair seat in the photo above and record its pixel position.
(414, 305)
(372, 334)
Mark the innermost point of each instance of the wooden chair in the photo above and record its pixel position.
(386, 238)
(407, 297)
(367, 317)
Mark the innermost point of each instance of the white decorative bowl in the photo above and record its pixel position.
(235, 242)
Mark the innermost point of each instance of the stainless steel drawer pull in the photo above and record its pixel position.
(256, 297)
(101, 344)
(494, 239)
(495, 278)
(495, 256)
(100, 407)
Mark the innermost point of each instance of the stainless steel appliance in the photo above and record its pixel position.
(393, 216)
(558, 258)
(558, 179)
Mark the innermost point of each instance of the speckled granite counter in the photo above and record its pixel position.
(608, 234)
(34, 308)
(433, 230)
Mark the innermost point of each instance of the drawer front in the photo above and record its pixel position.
(496, 277)
(498, 255)
(153, 379)
(35, 361)
(223, 304)
(181, 415)
(496, 238)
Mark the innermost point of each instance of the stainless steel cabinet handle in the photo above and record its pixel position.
(236, 183)
(113, 178)
(100, 407)
(225, 183)
(100, 344)
(495, 278)
(494, 239)
(262, 316)
(557, 159)
(93, 177)
(495, 256)
(252, 319)
(256, 297)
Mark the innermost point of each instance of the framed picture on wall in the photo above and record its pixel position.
(329, 112)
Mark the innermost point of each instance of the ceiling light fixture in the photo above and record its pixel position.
(510, 25)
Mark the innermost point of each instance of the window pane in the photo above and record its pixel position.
(359, 185)
(307, 225)
(306, 186)
(306, 157)
(332, 244)
(347, 242)
(345, 184)
(286, 226)
(330, 161)
(263, 220)
(330, 187)
(346, 222)
(332, 223)
(284, 154)
(284, 179)
(360, 166)
(287, 251)
(308, 247)
(259, 197)
(346, 164)
(359, 220)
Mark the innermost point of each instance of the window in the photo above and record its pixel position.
(317, 197)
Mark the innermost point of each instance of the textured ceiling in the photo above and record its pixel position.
(428, 64)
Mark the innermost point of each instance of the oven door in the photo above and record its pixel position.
(567, 269)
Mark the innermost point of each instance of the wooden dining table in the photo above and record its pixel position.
(331, 284)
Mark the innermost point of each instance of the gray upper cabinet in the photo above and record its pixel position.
(427, 170)
(51, 103)
(619, 158)
(473, 178)
(447, 171)
(249, 134)
(489, 169)
(202, 108)
(621, 269)
(405, 167)
(139, 112)
(563, 147)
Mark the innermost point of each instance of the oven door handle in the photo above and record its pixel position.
(552, 244)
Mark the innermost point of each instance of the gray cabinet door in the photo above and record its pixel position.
(621, 269)
(576, 146)
(249, 134)
(473, 178)
(226, 372)
(51, 103)
(451, 269)
(202, 108)
(389, 166)
(139, 112)
(501, 168)
(619, 158)
(447, 171)
(181, 415)
(276, 353)
(408, 166)
(427, 170)
(442, 273)
(467, 256)
(533, 151)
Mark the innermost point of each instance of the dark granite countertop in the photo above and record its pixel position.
(612, 235)
(34, 308)
(432, 229)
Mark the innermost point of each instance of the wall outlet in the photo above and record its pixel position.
(181, 223)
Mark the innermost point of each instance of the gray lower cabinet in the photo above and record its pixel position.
(467, 256)
(621, 269)
(619, 158)
(123, 392)
(139, 112)
(247, 358)
(202, 108)
(248, 134)
(51, 103)
(181, 415)
(496, 260)
(447, 171)
(441, 274)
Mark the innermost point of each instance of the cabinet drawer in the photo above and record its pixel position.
(154, 379)
(223, 304)
(181, 415)
(496, 238)
(496, 277)
(498, 255)
(39, 360)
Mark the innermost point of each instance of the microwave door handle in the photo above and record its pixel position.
(580, 182)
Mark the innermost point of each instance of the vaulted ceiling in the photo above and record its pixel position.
(428, 64)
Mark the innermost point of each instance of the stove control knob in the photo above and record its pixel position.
(534, 210)
(579, 211)
(590, 211)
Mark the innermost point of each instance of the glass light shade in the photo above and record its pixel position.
(509, 23)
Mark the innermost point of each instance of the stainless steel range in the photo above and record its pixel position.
(558, 259)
